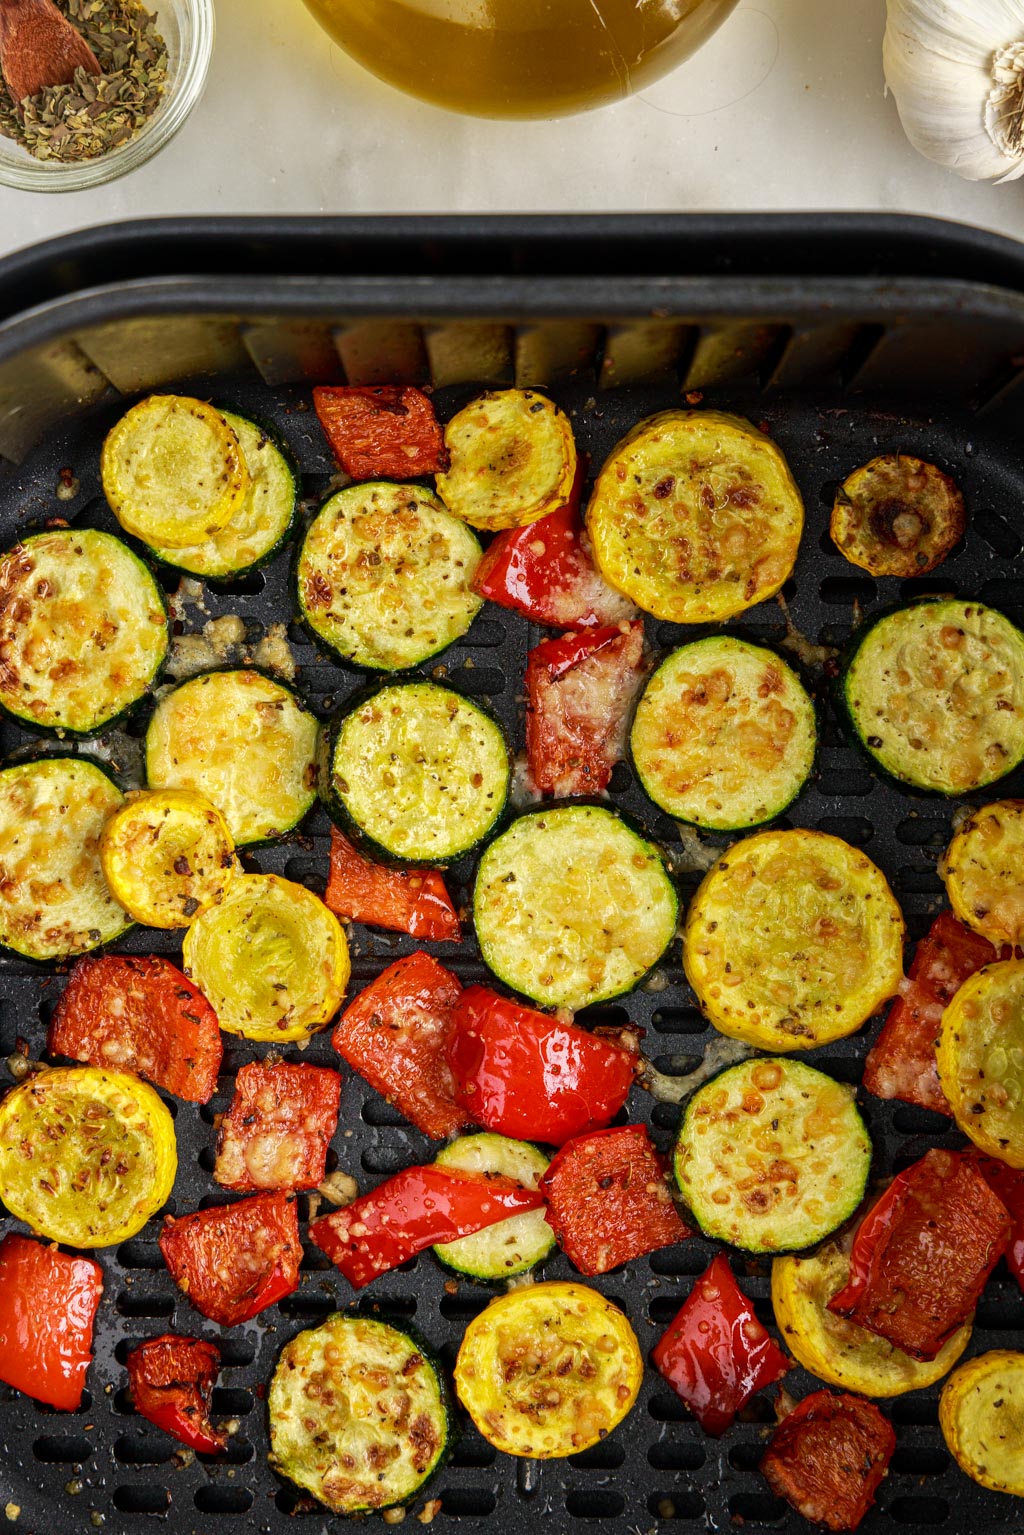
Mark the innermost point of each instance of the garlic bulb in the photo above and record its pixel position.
(956, 69)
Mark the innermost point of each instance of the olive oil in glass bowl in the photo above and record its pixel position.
(520, 58)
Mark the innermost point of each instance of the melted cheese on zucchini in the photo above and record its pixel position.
(384, 576)
(772, 1156)
(54, 900)
(984, 872)
(548, 1370)
(981, 1414)
(935, 693)
(724, 734)
(83, 630)
(571, 907)
(512, 460)
(792, 940)
(167, 855)
(242, 740)
(980, 1057)
(835, 1349)
(897, 516)
(358, 1415)
(695, 516)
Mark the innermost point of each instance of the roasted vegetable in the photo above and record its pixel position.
(828, 1457)
(1008, 1184)
(981, 1414)
(86, 1156)
(793, 940)
(980, 1056)
(512, 459)
(171, 1380)
(276, 1133)
(48, 1301)
(984, 871)
(414, 901)
(509, 1247)
(548, 1370)
(897, 516)
(381, 431)
(233, 1261)
(579, 696)
(167, 855)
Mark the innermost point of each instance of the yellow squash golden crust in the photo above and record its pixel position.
(167, 855)
(695, 516)
(513, 460)
(897, 516)
(792, 940)
(981, 1414)
(980, 1056)
(548, 1370)
(984, 871)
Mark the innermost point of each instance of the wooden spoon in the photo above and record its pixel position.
(39, 47)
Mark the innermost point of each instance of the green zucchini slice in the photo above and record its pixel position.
(935, 694)
(262, 523)
(359, 1415)
(512, 1246)
(384, 576)
(83, 630)
(54, 901)
(772, 1156)
(243, 740)
(572, 906)
(417, 772)
(724, 735)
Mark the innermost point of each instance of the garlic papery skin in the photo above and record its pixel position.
(956, 69)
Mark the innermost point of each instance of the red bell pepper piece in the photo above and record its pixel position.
(233, 1261)
(545, 571)
(828, 1458)
(412, 1211)
(276, 1133)
(48, 1303)
(922, 1254)
(413, 901)
(139, 1013)
(170, 1380)
(385, 431)
(1007, 1183)
(579, 693)
(715, 1353)
(901, 1063)
(609, 1200)
(395, 1034)
(530, 1075)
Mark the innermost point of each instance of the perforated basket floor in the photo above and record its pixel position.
(104, 1464)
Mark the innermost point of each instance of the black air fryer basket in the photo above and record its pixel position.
(843, 338)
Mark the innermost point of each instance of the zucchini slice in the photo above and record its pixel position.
(384, 576)
(173, 471)
(695, 516)
(167, 855)
(512, 460)
(271, 959)
(261, 524)
(243, 740)
(984, 872)
(935, 694)
(418, 773)
(548, 1370)
(54, 900)
(837, 1350)
(359, 1415)
(86, 1155)
(980, 1055)
(83, 630)
(792, 940)
(572, 907)
(724, 735)
(981, 1414)
(772, 1156)
(512, 1246)
(897, 516)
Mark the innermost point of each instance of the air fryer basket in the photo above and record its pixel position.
(914, 340)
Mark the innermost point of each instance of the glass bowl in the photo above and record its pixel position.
(187, 27)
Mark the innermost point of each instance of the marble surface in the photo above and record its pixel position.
(784, 109)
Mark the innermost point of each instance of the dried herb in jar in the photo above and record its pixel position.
(95, 113)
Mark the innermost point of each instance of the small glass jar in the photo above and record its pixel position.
(187, 27)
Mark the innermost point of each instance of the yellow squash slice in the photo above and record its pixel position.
(792, 940)
(837, 1350)
(173, 471)
(984, 872)
(897, 516)
(695, 516)
(86, 1156)
(167, 855)
(271, 959)
(512, 460)
(548, 1370)
(980, 1056)
(981, 1414)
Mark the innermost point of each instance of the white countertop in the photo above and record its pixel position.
(784, 109)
